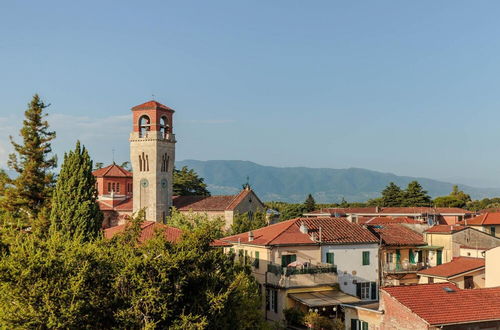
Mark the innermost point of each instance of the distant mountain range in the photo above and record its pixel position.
(292, 184)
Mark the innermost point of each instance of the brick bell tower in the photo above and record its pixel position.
(152, 155)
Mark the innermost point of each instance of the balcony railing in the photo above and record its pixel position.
(403, 267)
(288, 271)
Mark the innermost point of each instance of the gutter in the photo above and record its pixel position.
(363, 308)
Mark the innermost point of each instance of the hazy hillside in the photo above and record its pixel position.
(327, 185)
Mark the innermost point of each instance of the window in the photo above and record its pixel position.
(358, 324)
(109, 187)
(256, 260)
(164, 128)
(144, 126)
(492, 230)
(288, 259)
(118, 187)
(389, 257)
(468, 282)
(330, 258)
(366, 258)
(113, 187)
(366, 290)
(439, 257)
(430, 280)
(272, 300)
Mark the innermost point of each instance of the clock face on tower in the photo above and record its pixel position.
(164, 183)
(144, 183)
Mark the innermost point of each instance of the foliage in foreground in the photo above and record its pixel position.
(63, 282)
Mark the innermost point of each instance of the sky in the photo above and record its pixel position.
(407, 87)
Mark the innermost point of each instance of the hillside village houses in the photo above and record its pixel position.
(375, 268)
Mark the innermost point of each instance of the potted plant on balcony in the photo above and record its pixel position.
(317, 322)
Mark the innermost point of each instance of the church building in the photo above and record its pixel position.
(150, 184)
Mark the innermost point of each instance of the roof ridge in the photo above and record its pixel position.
(292, 222)
(235, 198)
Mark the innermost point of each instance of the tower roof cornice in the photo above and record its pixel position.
(152, 105)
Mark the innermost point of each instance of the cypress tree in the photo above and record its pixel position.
(310, 203)
(74, 207)
(415, 195)
(392, 195)
(31, 190)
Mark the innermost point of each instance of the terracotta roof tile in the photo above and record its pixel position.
(484, 219)
(202, 203)
(445, 229)
(112, 170)
(438, 307)
(457, 266)
(386, 220)
(396, 234)
(333, 230)
(392, 210)
(148, 229)
(151, 105)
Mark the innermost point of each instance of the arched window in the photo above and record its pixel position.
(164, 127)
(144, 126)
(146, 166)
(140, 163)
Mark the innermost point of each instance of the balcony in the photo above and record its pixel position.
(404, 267)
(293, 277)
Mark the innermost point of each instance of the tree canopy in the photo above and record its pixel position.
(392, 195)
(31, 190)
(188, 183)
(74, 207)
(309, 203)
(415, 195)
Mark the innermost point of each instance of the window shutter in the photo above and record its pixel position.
(412, 256)
(330, 259)
(364, 325)
(354, 324)
(366, 258)
(373, 287)
(257, 260)
(284, 261)
(293, 258)
(358, 290)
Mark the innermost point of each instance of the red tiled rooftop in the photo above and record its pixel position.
(457, 266)
(386, 220)
(397, 234)
(112, 170)
(151, 105)
(445, 229)
(484, 219)
(439, 307)
(148, 229)
(333, 230)
(392, 210)
(210, 203)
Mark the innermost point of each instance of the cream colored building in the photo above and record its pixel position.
(464, 272)
(453, 238)
(287, 262)
(488, 222)
(221, 206)
(492, 268)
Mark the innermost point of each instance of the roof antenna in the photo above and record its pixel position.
(113, 153)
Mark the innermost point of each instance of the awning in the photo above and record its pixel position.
(323, 298)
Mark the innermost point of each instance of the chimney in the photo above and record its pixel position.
(250, 236)
(377, 209)
(303, 228)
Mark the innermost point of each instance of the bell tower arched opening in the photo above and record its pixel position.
(144, 126)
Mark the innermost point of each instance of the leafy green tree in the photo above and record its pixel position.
(246, 222)
(457, 198)
(188, 183)
(98, 166)
(31, 190)
(309, 203)
(74, 207)
(126, 165)
(392, 195)
(415, 195)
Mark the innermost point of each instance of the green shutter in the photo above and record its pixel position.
(439, 257)
(412, 257)
(288, 259)
(364, 325)
(330, 258)
(366, 258)
(256, 261)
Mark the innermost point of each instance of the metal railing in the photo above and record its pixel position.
(404, 267)
(288, 271)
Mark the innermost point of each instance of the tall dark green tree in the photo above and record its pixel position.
(31, 190)
(415, 195)
(310, 203)
(392, 195)
(74, 207)
(188, 183)
(246, 222)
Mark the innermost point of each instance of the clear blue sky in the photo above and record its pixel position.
(409, 87)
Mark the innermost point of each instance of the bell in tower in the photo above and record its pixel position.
(152, 155)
